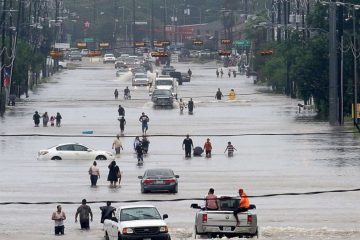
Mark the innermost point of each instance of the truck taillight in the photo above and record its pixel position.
(249, 219)
(204, 218)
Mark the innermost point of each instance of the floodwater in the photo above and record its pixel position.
(278, 151)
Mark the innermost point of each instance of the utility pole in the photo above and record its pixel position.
(133, 25)
(152, 24)
(164, 19)
(2, 89)
(272, 20)
(355, 70)
(279, 21)
(340, 19)
(333, 66)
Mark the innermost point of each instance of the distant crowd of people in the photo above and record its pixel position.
(45, 119)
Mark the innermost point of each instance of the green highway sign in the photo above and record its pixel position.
(88, 40)
(242, 43)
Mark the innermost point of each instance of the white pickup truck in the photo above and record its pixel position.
(168, 83)
(222, 222)
(137, 222)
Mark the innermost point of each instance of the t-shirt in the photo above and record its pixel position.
(230, 148)
(207, 146)
(84, 211)
(187, 142)
(211, 201)
(94, 170)
(121, 111)
(244, 201)
(144, 119)
(117, 143)
(106, 212)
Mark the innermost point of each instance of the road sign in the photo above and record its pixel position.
(242, 43)
(62, 45)
(88, 40)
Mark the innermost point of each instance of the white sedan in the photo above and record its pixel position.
(73, 151)
(109, 58)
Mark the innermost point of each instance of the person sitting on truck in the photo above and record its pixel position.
(244, 205)
(211, 202)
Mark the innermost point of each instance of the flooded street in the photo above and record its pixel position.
(278, 151)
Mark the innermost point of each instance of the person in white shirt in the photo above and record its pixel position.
(59, 216)
(94, 173)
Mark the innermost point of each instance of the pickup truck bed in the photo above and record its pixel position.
(222, 222)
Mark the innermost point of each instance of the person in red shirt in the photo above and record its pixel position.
(208, 148)
(244, 205)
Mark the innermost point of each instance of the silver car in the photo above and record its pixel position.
(161, 179)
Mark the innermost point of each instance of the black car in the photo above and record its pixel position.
(161, 179)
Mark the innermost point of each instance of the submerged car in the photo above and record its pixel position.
(161, 179)
(73, 151)
(75, 55)
(140, 79)
(122, 71)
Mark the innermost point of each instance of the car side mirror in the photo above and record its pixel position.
(89, 150)
(195, 205)
(140, 177)
(177, 176)
(165, 216)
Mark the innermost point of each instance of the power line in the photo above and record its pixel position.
(187, 199)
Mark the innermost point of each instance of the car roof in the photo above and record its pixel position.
(160, 169)
(136, 206)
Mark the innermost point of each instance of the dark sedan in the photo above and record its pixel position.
(158, 180)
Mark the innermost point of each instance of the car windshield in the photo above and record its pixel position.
(139, 213)
(164, 82)
(140, 76)
(158, 92)
(159, 173)
(109, 55)
(75, 52)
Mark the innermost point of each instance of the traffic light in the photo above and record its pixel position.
(266, 52)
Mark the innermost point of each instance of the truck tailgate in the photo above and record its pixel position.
(225, 218)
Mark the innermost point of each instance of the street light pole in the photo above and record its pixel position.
(355, 69)
(3, 25)
(133, 26)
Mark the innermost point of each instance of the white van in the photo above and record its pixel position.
(166, 82)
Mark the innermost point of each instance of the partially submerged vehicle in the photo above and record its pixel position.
(222, 222)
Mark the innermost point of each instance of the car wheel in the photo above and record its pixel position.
(56, 158)
(100, 157)
(142, 189)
